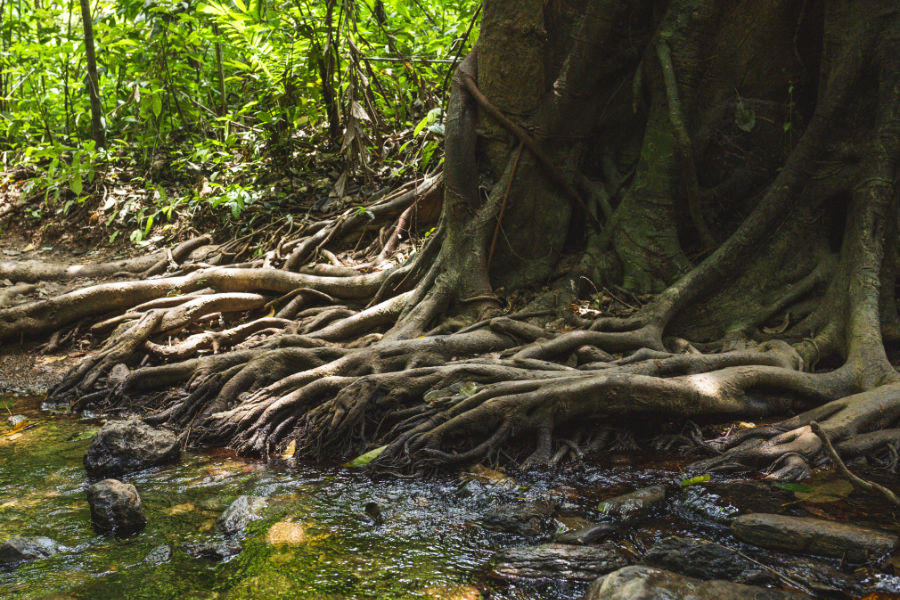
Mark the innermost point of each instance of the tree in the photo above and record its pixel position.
(736, 159)
(98, 132)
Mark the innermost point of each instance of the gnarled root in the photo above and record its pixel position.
(855, 424)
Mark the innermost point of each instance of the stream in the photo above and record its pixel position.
(429, 541)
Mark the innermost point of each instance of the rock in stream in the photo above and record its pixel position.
(116, 508)
(239, 514)
(704, 560)
(24, 549)
(558, 561)
(814, 536)
(122, 447)
(214, 550)
(531, 519)
(648, 583)
(634, 504)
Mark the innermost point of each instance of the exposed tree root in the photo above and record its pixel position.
(33, 271)
(343, 351)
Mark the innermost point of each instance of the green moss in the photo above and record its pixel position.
(42, 493)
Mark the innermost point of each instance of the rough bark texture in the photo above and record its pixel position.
(736, 159)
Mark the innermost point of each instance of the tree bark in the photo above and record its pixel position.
(98, 131)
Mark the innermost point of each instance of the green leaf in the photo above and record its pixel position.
(422, 125)
(76, 184)
(695, 480)
(157, 105)
(364, 459)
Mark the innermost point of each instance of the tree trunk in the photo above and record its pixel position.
(98, 131)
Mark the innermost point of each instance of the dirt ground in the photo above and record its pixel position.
(24, 368)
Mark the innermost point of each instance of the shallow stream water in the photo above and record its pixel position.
(429, 545)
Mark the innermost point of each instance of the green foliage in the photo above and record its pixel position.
(364, 459)
(206, 86)
(695, 480)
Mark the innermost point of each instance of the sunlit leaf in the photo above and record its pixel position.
(289, 451)
(695, 480)
(792, 487)
(364, 459)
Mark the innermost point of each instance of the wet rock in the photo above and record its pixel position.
(122, 447)
(16, 419)
(487, 476)
(530, 519)
(214, 550)
(24, 549)
(572, 523)
(239, 514)
(634, 504)
(373, 511)
(704, 560)
(884, 584)
(814, 536)
(159, 555)
(116, 508)
(586, 535)
(819, 577)
(648, 583)
(558, 561)
(700, 502)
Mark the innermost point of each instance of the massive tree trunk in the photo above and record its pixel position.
(738, 160)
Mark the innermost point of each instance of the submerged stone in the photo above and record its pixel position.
(558, 561)
(704, 560)
(116, 508)
(286, 533)
(214, 550)
(586, 535)
(703, 503)
(240, 513)
(529, 519)
(122, 447)
(814, 536)
(24, 549)
(159, 555)
(633, 504)
(16, 419)
(648, 583)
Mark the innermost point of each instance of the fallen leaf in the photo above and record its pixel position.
(825, 487)
(289, 451)
(695, 480)
(364, 459)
